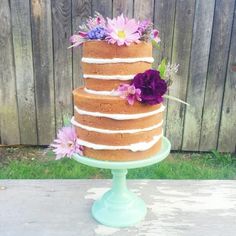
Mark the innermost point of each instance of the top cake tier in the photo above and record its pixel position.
(106, 66)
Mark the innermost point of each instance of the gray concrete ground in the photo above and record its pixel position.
(62, 207)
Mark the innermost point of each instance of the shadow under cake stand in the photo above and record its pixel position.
(119, 207)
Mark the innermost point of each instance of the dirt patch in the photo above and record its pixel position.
(8, 154)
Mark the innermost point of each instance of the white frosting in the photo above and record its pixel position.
(120, 116)
(108, 131)
(106, 93)
(109, 77)
(116, 60)
(141, 146)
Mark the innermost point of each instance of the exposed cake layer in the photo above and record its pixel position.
(118, 139)
(111, 105)
(96, 84)
(122, 155)
(101, 49)
(106, 66)
(115, 69)
(113, 124)
(106, 123)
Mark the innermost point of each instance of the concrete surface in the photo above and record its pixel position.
(62, 207)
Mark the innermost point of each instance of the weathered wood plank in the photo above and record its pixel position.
(181, 55)
(202, 30)
(21, 31)
(143, 9)
(8, 102)
(61, 21)
(123, 6)
(227, 135)
(81, 10)
(164, 19)
(104, 7)
(43, 69)
(222, 25)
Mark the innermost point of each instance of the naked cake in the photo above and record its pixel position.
(118, 113)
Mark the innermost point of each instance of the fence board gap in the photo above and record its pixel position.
(43, 69)
(180, 55)
(202, 30)
(81, 10)
(227, 135)
(61, 21)
(123, 6)
(104, 7)
(164, 17)
(216, 74)
(22, 44)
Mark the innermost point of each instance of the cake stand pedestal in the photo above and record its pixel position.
(119, 207)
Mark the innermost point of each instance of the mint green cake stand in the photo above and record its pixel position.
(119, 207)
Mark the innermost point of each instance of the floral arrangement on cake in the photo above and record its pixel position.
(120, 30)
(149, 87)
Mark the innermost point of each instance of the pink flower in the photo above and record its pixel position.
(129, 92)
(122, 31)
(78, 39)
(65, 145)
(98, 20)
(155, 36)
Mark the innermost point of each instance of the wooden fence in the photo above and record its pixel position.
(38, 72)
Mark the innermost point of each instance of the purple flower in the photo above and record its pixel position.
(151, 85)
(129, 92)
(143, 25)
(65, 145)
(98, 32)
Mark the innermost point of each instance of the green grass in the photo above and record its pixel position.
(31, 163)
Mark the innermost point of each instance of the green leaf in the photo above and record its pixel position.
(66, 120)
(155, 44)
(162, 67)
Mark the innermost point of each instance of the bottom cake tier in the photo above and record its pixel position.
(110, 129)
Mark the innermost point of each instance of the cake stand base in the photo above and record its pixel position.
(120, 207)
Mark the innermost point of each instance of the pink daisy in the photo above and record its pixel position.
(122, 31)
(65, 145)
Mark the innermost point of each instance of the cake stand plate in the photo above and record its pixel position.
(119, 207)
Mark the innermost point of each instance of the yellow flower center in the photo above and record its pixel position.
(121, 34)
(69, 144)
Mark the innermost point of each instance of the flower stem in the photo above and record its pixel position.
(175, 99)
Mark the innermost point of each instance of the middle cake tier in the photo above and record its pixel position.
(109, 121)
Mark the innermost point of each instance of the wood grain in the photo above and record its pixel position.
(61, 21)
(21, 31)
(104, 7)
(164, 21)
(9, 126)
(227, 135)
(143, 9)
(81, 10)
(222, 25)
(123, 6)
(43, 69)
(201, 41)
(180, 55)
